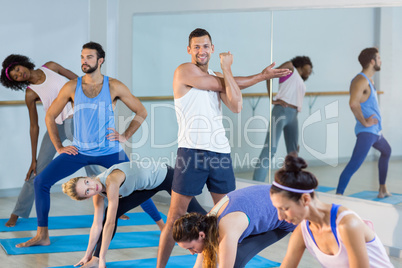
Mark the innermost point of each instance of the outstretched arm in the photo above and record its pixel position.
(120, 91)
(113, 182)
(359, 84)
(295, 250)
(30, 99)
(266, 74)
(96, 228)
(65, 95)
(60, 70)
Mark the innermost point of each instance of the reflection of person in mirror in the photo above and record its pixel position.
(333, 234)
(203, 156)
(364, 105)
(287, 104)
(96, 142)
(242, 224)
(125, 186)
(42, 84)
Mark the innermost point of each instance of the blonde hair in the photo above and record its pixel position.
(70, 189)
(188, 227)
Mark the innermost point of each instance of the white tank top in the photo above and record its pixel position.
(378, 257)
(48, 91)
(292, 90)
(199, 116)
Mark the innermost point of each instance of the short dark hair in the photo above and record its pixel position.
(300, 61)
(9, 64)
(99, 50)
(367, 55)
(198, 33)
(293, 175)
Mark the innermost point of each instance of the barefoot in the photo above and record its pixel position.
(12, 221)
(124, 217)
(41, 239)
(383, 192)
(93, 263)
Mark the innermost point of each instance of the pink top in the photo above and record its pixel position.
(48, 91)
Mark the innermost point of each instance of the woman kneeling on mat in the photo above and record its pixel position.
(126, 186)
(237, 228)
(334, 235)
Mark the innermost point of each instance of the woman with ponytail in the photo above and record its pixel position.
(237, 228)
(334, 235)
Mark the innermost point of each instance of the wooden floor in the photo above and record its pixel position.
(365, 179)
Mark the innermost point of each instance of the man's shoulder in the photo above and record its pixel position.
(358, 82)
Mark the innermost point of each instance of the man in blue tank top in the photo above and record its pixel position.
(96, 141)
(364, 105)
(203, 156)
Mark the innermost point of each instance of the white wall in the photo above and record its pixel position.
(43, 30)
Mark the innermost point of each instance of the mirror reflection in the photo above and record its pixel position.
(326, 121)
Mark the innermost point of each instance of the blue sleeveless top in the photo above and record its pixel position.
(256, 203)
(92, 118)
(369, 107)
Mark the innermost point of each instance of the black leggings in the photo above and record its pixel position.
(136, 198)
(252, 245)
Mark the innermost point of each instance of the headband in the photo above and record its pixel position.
(299, 191)
(13, 63)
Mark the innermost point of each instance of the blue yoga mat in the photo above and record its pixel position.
(324, 189)
(72, 243)
(372, 195)
(185, 261)
(77, 221)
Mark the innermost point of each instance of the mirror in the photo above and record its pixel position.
(332, 38)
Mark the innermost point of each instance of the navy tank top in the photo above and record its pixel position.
(255, 202)
(92, 118)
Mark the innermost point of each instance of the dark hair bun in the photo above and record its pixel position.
(294, 163)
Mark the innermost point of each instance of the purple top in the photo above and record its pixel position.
(256, 203)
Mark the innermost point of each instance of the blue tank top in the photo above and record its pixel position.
(369, 107)
(92, 118)
(256, 203)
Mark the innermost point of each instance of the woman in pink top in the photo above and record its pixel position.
(334, 235)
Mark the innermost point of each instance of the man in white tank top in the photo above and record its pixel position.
(203, 156)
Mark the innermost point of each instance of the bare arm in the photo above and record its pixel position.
(65, 95)
(352, 231)
(295, 250)
(30, 99)
(266, 74)
(119, 90)
(359, 84)
(231, 96)
(231, 227)
(113, 182)
(60, 70)
(189, 75)
(96, 228)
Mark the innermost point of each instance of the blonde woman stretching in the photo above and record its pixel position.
(125, 185)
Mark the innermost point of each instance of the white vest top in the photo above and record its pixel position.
(292, 90)
(48, 91)
(199, 116)
(378, 257)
